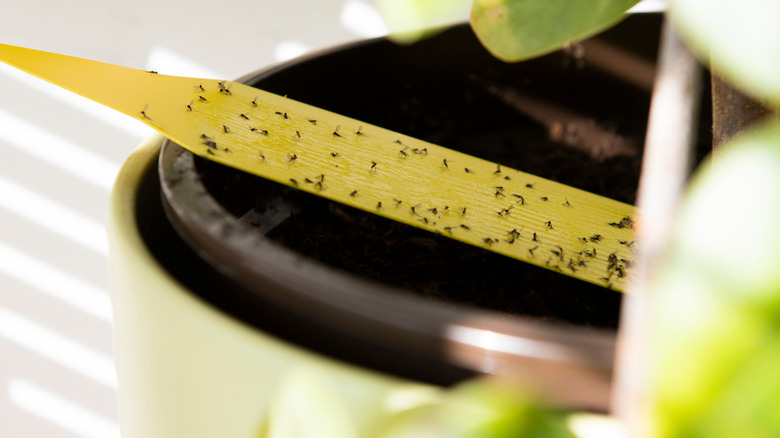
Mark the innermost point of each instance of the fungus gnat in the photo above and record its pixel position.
(224, 89)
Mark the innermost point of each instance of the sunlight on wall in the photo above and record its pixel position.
(53, 216)
(53, 346)
(45, 146)
(60, 411)
(55, 283)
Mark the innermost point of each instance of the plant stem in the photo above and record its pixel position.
(666, 164)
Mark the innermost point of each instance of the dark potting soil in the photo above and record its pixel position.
(437, 267)
(469, 104)
(423, 263)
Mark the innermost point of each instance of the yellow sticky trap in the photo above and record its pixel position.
(482, 203)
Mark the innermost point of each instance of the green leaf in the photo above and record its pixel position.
(309, 404)
(481, 409)
(716, 315)
(741, 37)
(411, 20)
(514, 30)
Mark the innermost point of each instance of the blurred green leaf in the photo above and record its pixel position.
(716, 315)
(742, 37)
(308, 404)
(481, 409)
(411, 20)
(514, 30)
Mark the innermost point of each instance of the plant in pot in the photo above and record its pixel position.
(428, 327)
(235, 223)
(415, 308)
(541, 338)
(290, 316)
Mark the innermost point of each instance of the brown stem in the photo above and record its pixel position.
(666, 164)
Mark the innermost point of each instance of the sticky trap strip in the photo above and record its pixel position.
(469, 199)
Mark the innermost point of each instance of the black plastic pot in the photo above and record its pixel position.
(267, 254)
